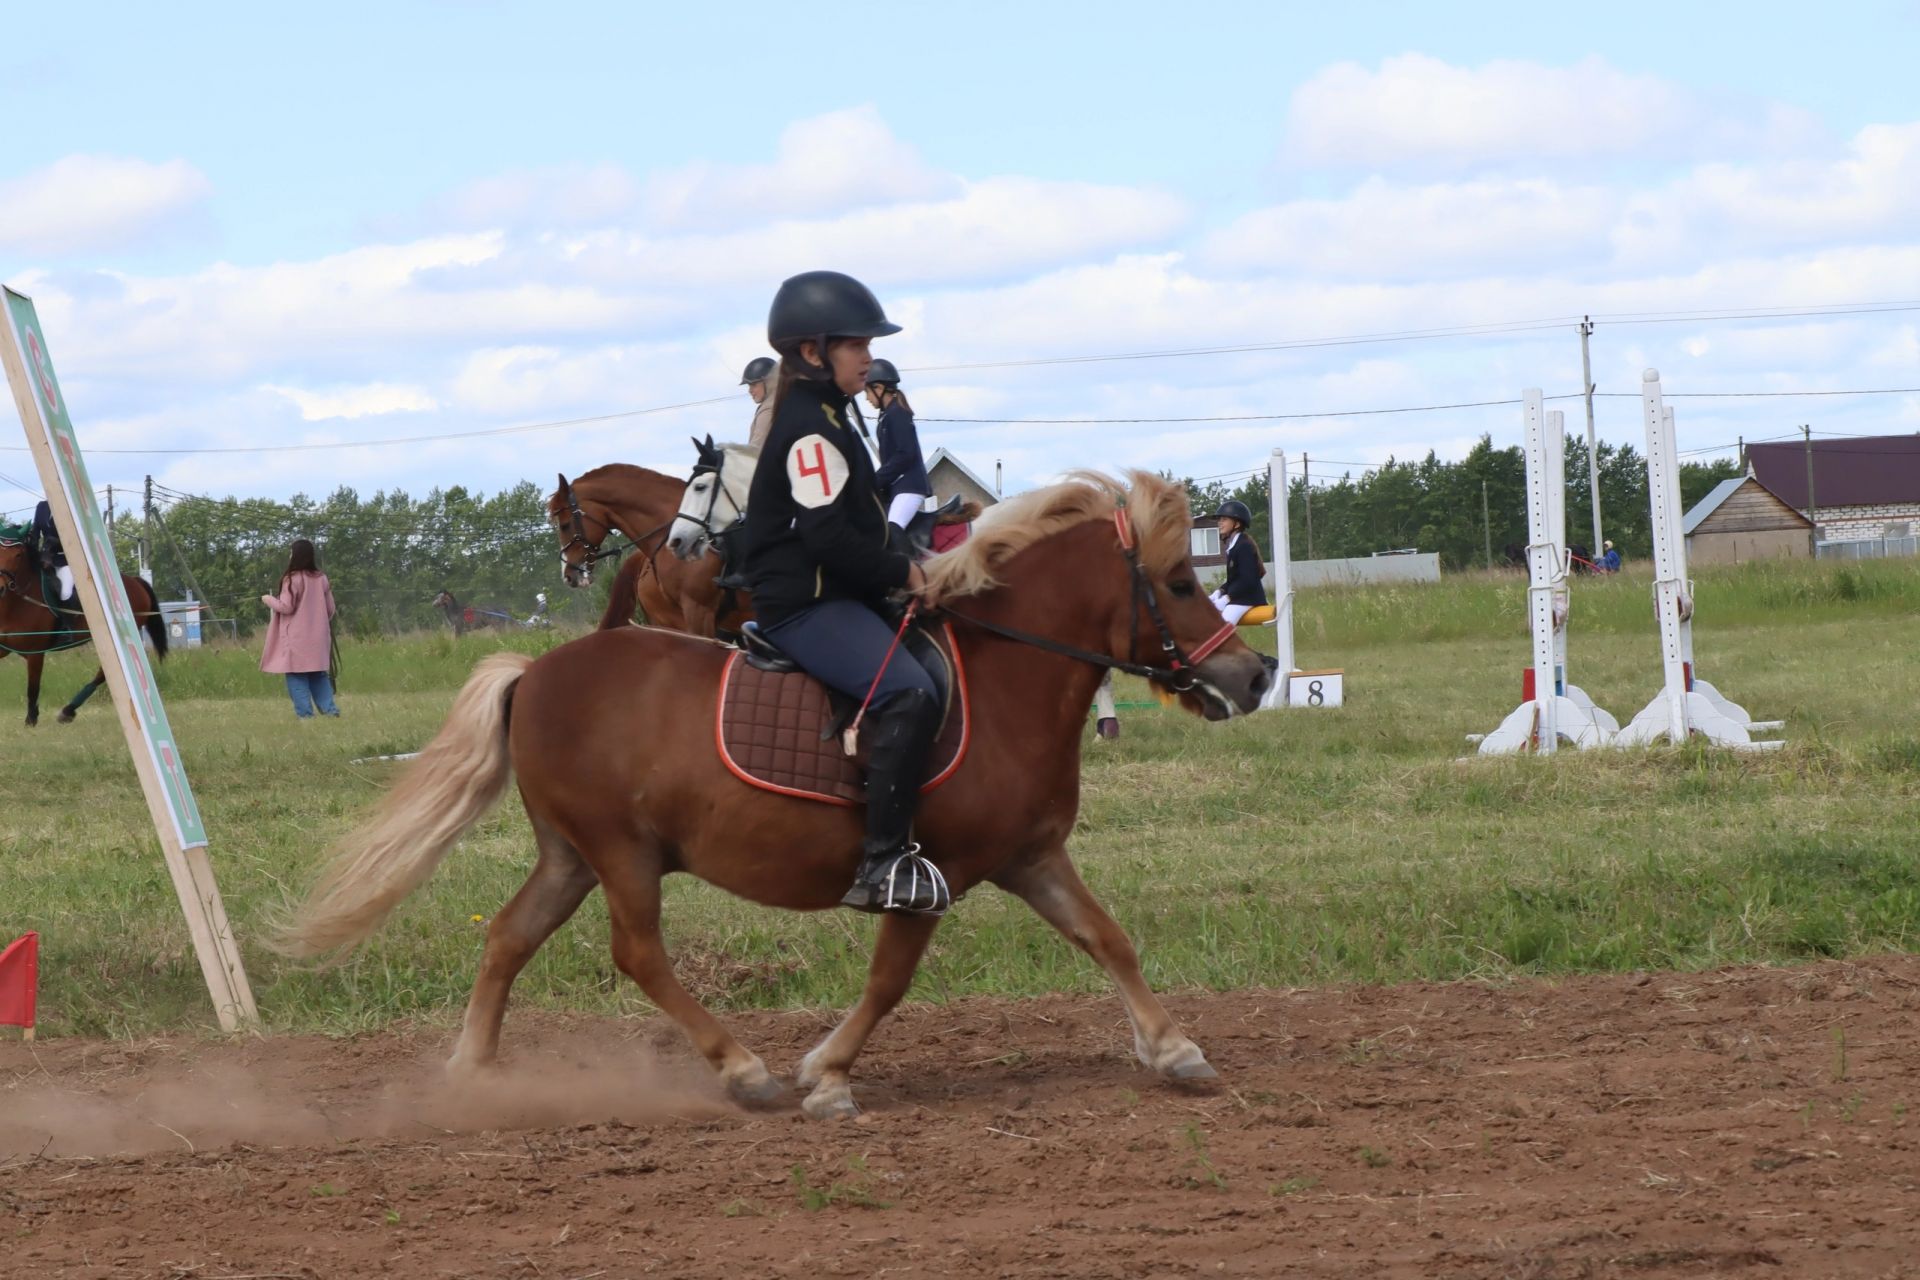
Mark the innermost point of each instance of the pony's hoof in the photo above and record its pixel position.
(464, 1070)
(1189, 1072)
(756, 1091)
(65, 717)
(831, 1104)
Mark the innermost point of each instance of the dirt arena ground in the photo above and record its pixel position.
(1746, 1122)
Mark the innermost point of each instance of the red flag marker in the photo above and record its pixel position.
(20, 982)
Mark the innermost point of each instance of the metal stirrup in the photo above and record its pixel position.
(925, 888)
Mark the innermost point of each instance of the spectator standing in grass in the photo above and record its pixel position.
(300, 633)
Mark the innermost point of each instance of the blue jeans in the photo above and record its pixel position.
(310, 690)
(842, 643)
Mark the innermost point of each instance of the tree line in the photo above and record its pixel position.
(1459, 509)
(387, 555)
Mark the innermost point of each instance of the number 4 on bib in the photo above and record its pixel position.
(816, 471)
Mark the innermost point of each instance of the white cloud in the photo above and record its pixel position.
(824, 165)
(1420, 112)
(356, 402)
(85, 202)
(1386, 231)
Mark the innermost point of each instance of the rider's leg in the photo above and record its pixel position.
(1106, 723)
(844, 644)
(65, 574)
(904, 507)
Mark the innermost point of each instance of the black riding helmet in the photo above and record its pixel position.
(1235, 509)
(818, 305)
(758, 369)
(883, 372)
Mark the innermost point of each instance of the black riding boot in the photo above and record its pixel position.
(893, 876)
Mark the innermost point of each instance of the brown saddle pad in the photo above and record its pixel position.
(770, 727)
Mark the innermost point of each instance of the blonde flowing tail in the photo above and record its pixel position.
(449, 788)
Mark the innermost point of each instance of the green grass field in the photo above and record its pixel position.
(1294, 848)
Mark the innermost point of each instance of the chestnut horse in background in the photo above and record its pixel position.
(640, 504)
(31, 628)
(612, 739)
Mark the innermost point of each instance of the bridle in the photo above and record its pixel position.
(593, 554)
(1179, 673)
(716, 537)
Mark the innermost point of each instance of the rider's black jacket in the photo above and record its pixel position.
(902, 469)
(816, 522)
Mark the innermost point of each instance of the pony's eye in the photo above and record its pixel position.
(1183, 588)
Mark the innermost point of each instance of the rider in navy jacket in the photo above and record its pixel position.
(903, 471)
(822, 559)
(1244, 588)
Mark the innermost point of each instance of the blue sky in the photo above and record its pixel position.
(399, 220)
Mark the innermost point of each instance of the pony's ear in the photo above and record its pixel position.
(562, 477)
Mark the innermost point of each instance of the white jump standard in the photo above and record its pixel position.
(1686, 705)
(1291, 686)
(1558, 710)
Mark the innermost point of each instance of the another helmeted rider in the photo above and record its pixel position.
(46, 539)
(1243, 589)
(821, 561)
(903, 472)
(757, 378)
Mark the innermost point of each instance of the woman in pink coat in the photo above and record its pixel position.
(299, 634)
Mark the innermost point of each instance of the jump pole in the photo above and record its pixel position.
(1552, 713)
(1685, 705)
(136, 694)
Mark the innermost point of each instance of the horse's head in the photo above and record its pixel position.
(1109, 569)
(581, 529)
(444, 600)
(716, 497)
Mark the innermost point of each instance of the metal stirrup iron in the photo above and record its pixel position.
(922, 890)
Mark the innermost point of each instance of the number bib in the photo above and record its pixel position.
(816, 471)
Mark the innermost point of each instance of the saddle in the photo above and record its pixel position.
(920, 528)
(780, 730)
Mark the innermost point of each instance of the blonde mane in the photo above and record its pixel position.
(1156, 507)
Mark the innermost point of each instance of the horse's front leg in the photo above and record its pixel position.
(1053, 888)
(34, 662)
(903, 940)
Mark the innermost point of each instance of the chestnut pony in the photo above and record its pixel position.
(611, 738)
(641, 504)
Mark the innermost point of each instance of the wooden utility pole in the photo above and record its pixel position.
(1813, 507)
(146, 531)
(1593, 449)
(1486, 523)
(1306, 491)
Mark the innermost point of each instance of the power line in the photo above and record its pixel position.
(428, 439)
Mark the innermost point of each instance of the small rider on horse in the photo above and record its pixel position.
(822, 560)
(903, 472)
(757, 378)
(47, 549)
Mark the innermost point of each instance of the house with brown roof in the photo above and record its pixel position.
(1864, 488)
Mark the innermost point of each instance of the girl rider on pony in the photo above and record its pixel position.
(821, 563)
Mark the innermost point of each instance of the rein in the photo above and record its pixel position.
(1179, 673)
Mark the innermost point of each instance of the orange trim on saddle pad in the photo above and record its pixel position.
(777, 745)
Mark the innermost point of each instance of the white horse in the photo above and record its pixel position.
(716, 497)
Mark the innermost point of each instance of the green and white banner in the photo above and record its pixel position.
(48, 422)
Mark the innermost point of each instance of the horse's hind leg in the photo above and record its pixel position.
(903, 940)
(632, 883)
(1053, 888)
(560, 882)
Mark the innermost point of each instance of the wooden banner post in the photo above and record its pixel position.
(136, 695)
